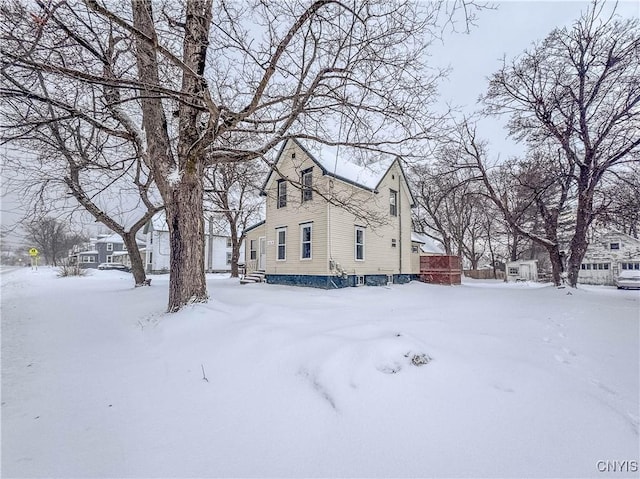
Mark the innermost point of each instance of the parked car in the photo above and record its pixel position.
(118, 266)
(628, 279)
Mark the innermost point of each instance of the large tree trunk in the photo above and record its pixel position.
(185, 217)
(137, 265)
(179, 176)
(579, 243)
(556, 264)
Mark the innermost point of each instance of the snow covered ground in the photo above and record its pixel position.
(520, 380)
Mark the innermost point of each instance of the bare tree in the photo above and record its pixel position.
(578, 88)
(52, 238)
(342, 74)
(233, 190)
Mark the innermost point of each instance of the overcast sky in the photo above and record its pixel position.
(506, 31)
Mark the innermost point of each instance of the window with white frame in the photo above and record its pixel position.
(253, 252)
(282, 194)
(514, 271)
(110, 259)
(359, 243)
(393, 202)
(228, 257)
(109, 246)
(305, 241)
(307, 183)
(229, 243)
(614, 245)
(281, 237)
(87, 259)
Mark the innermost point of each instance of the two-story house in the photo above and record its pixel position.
(217, 247)
(331, 223)
(106, 248)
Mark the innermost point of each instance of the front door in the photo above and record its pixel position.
(262, 253)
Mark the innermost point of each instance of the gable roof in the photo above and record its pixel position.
(326, 157)
(427, 244)
(114, 238)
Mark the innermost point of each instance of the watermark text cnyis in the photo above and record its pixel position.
(617, 466)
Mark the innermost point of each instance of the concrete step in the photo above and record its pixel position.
(255, 277)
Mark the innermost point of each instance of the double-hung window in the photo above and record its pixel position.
(305, 241)
(359, 246)
(281, 236)
(282, 193)
(253, 252)
(307, 183)
(109, 246)
(393, 202)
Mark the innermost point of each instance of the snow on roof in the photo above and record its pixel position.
(335, 160)
(114, 238)
(427, 245)
(119, 253)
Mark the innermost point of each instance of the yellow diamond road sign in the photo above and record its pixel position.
(33, 252)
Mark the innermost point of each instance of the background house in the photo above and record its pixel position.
(156, 255)
(331, 223)
(106, 248)
(607, 255)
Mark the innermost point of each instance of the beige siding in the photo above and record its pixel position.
(254, 235)
(380, 256)
(333, 237)
(294, 215)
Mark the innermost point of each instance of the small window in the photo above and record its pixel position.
(305, 241)
(415, 249)
(636, 266)
(281, 235)
(514, 271)
(606, 266)
(229, 244)
(393, 202)
(151, 239)
(614, 245)
(253, 252)
(583, 266)
(109, 259)
(150, 257)
(228, 258)
(282, 194)
(588, 265)
(359, 280)
(359, 245)
(87, 259)
(307, 183)
(394, 243)
(109, 246)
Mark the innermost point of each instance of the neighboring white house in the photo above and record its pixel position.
(309, 239)
(609, 254)
(217, 248)
(522, 270)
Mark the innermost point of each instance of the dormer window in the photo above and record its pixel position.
(614, 245)
(282, 193)
(307, 182)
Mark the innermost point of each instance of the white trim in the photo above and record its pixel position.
(278, 244)
(302, 242)
(355, 243)
(109, 246)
